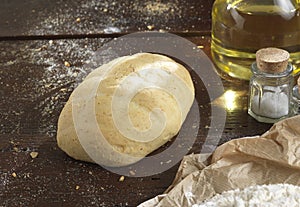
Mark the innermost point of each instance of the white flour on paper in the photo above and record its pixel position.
(279, 195)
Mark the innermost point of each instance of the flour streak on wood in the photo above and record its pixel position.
(77, 17)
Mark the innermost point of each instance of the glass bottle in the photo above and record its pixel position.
(270, 94)
(241, 27)
(296, 97)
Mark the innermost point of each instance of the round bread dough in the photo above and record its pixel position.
(125, 109)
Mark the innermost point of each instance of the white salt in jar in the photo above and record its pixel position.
(271, 86)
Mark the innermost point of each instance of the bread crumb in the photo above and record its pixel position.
(67, 64)
(90, 172)
(34, 154)
(150, 27)
(131, 172)
(16, 149)
(121, 179)
(77, 187)
(78, 20)
(14, 174)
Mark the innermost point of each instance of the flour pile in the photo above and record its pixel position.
(278, 195)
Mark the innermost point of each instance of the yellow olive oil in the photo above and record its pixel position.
(241, 27)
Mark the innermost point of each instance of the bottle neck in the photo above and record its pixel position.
(283, 74)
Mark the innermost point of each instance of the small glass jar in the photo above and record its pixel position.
(296, 98)
(270, 97)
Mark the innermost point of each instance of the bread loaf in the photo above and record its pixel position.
(125, 109)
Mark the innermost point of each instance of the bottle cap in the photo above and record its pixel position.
(272, 60)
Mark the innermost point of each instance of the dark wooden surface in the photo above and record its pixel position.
(58, 17)
(36, 38)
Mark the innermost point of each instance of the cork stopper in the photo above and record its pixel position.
(272, 60)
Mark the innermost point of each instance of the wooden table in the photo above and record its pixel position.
(43, 46)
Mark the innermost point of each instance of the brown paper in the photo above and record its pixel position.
(271, 158)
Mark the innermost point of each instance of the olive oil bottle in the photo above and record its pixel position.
(241, 27)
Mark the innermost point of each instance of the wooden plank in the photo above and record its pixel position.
(76, 17)
(35, 82)
(52, 177)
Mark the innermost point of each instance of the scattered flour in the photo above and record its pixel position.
(37, 71)
(102, 17)
(4, 180)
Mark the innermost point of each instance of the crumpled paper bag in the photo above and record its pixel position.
(271, 158)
